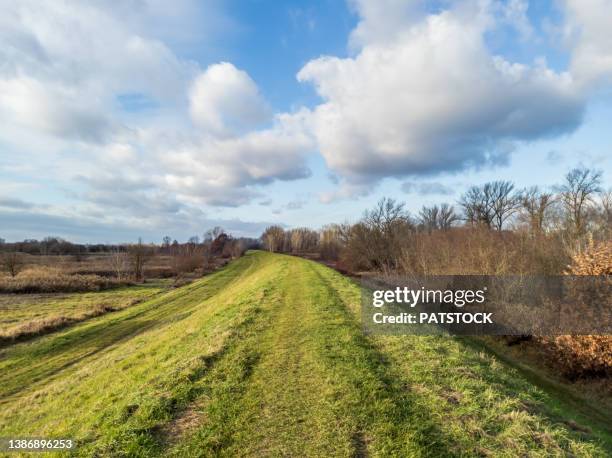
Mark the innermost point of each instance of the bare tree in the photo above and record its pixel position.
(12, 262)
(490, 204)
(576, 194)
(213, 233)
(118, 263)
(477, 206)
(273, 238)
(447, 216)
(303, 240)
(437, 217)
(535, 205)
(139, 254)
(606, 206)
(428, 217)
(385, 214)
(504, 201)
(376, 241)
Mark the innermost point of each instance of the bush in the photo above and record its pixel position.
(51, 280)
(589, 355)
(579, 356)
(480, 251)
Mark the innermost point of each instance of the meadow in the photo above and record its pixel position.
(267, 357)
(27, 315)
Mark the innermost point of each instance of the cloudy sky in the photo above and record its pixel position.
(149, 117)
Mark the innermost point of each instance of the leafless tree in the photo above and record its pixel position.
(385, 214)
(376, 241)
(428, 217)
(490, 204)
(447, 217)
(139, 254)
(606, 206)
(303, 240)
(576, 195)
(536, 205)
(12, 262)
(438, 217)
(505, 202)
(213, 233)
(273, 238)
(477, 206)
(118, 263)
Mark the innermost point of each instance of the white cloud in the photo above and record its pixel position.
(69, 75)
(589, 36)
(226, 101)
(381, 20)
(64, 63)
(427, 96)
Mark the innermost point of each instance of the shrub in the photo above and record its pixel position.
(579, 356)
(588, 355)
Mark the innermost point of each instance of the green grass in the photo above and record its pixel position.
(19, 311)
(266, 357)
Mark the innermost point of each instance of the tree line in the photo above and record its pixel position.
(490, 217)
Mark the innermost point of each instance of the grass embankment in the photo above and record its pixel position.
(267, 357)
(23, 316)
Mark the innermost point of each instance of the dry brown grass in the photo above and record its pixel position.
(479, 251)
(39, 279)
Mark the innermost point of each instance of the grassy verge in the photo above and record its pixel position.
(267, 358)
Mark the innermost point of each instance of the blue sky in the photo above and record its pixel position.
(151, 118)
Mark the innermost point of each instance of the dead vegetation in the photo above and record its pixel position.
(54, 280)
(583, 356)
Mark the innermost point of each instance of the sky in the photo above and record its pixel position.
(146, 118)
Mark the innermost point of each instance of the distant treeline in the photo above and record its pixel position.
(493, 228)
(50, 246)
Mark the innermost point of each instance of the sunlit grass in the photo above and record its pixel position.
(267, 358)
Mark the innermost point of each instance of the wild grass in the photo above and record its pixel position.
(267, 358)
(24, 316)
(54, 280)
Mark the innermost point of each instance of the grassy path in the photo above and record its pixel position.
(267, 358)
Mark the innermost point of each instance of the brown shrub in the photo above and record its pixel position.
(588, 355)
(480, 251)
(596, 259)
(51, 280)
(580, 356)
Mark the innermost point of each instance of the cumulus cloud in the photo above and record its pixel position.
(71, 73)
(63, 64)
(430, 98)
(427, 96)
(225, 100)
(589, 37)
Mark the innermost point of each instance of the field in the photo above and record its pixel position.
(22, 314)
(267, 357)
